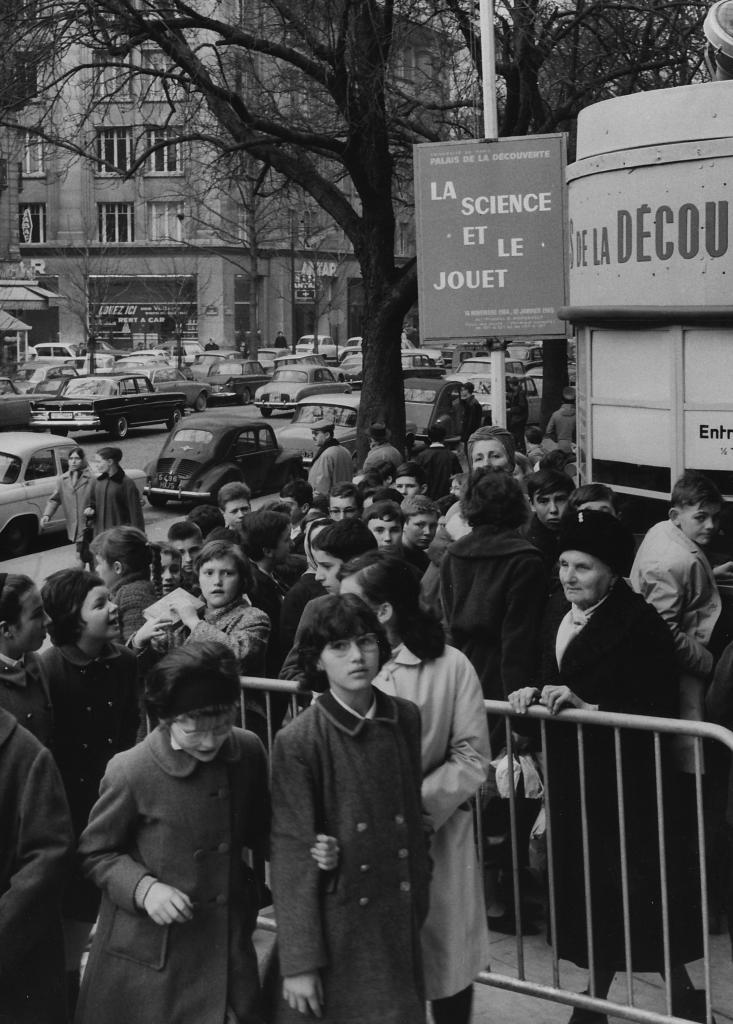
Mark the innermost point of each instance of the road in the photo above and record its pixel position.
(138, 449)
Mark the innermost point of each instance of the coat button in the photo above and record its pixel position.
(199, 854)
(363, 901)
(223, 848)
(363, 867)
(399, 819)
(405, 886)
(361, 826)
(402, 853)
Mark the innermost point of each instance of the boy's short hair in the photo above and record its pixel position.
(388, 510)
(263, 529)
(63, 595)
(467, 385)
(380, 494)
(299, 490)
(226, 549)
(344, 539)
(548, 481)
(347, 490)
(437, 432)
(204, 673)
(385, 468)
(694, 488)
(185, 529)
(418, 505)
(414, 470)
(533, 434)
(593, 492)
(233, 491)
(337, 618)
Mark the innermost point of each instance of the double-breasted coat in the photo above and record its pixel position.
(35, 853)
(191, 825)
(455, 759)
(95, 702)
(359, 780)
(623, 661)
(72, 494)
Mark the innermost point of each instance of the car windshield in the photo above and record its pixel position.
(9, 468)
(192, 440)
(290, 376)
(340, 415)
(89, 386)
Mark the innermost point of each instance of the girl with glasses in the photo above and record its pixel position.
(349, 768)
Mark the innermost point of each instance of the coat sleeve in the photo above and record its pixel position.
(290, 668)
(660, 587)
(54, 499)
(41, 861)
(525, 602)
(106, 842)
(296, 881)
(466, 763)
(135, 505)
(247, 638)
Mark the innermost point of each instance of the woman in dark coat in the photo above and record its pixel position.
(608, 650)
(492, 586)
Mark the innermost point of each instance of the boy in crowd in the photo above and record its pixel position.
(421, 522)
(410, 479)
(533, 444)
(438, 463)
(385, 520)
(345, 501)
(235, 502)
(299, 496)
(186, 538)
(332, 546)
(380, 448)
(267, 544)
(113, 497)
(548, 492)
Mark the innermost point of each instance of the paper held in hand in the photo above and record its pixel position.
(165, 607)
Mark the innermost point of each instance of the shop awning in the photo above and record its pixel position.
(14, 295)
(9, 323)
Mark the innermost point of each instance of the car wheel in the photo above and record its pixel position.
(246, 396)
(201, 402)
(174, 419)
(18, 536)
(157, 500)
(120, 428)
(266, 410)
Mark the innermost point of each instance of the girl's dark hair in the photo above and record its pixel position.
(14, 589)
(226, 549)
(211, 667)
(337, 618)
(495, 500)
(76, 450)
(385, 577)
(63, 595)
(126, 545)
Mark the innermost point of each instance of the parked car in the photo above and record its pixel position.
(15, 407)
(44, 377)
(214, 448)
(324, 346)
(480, 366)
(298, 359)
(527, 353)
(147, 355)
(29, 465)
(414, 364)
(352, 346)
(238, 378)
(205, 360)
(537, 374)
(435, 355)
(482, 391)
(188, 350)
(114, 402)
(54, 350)
(292, 383)
(168, 378)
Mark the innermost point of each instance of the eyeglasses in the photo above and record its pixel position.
(365, 642)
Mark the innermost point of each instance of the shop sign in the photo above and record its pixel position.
(709, 440)
(490, 220)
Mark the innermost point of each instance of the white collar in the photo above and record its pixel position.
(371, 713)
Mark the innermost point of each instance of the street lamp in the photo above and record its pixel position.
(718, 29)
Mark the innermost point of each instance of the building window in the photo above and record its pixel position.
(32, 222)
(33, 155)
(111, 76)
(114, 150)
(156, 85)
(165, 222)
(166, 160)
(116, 222)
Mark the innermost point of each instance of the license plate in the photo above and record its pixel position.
(65, 415)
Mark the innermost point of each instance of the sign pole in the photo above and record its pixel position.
(491, 131)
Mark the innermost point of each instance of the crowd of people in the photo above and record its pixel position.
(139, 815)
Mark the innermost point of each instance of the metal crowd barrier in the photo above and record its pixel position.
(620, 724)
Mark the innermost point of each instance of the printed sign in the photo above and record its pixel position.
(490, 237)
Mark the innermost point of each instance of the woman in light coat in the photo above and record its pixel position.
(455, 758)
(71, 494)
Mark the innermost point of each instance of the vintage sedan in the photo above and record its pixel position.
(29, 465)
(43, 378)
(214, 448)
(235, 380)
(480, 366)
(414, 364)
(113, 402)
(291, 383)
(168, 378)
(15, 407)
(201, 366)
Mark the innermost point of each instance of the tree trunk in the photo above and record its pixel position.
(554, 376)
